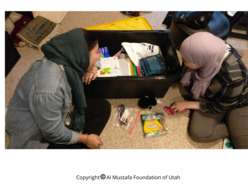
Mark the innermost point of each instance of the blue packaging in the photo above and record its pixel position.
(104, 52)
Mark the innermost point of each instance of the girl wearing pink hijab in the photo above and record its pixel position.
(218, 81)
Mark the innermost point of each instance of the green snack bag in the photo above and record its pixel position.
(154, 124)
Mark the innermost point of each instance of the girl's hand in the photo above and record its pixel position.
(90, 75)
(93, 141)
(180, 106)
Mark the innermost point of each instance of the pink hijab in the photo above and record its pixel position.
(206, 51)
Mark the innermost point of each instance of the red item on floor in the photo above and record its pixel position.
(170, 111)
(19, 25)
(134, 122)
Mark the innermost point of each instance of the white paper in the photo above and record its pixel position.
(111, 66)
(124, 116)
(125, 67)
(137, 51)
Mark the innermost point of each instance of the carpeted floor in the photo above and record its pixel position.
(114, 137)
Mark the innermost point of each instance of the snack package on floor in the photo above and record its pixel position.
(154, 124)
(123, 117)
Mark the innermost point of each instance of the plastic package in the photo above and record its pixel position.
(123, 117)
(154, 125)
(152, 65)
(104, 52)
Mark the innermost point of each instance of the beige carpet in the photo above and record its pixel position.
(114, 137)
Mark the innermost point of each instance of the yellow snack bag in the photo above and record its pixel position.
(154, 124)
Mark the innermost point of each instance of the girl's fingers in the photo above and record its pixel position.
(99, 138)
(86, 80)
(94, 77)
(89, 80)
(175, 109)
(91, 77)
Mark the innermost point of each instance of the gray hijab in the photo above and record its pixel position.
(206, 51)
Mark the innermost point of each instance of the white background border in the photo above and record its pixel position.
(59, 167)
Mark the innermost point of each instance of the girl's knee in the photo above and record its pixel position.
(199, 136)
(240, 142)
(106, 107)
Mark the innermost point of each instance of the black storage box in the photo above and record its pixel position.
(133, 86)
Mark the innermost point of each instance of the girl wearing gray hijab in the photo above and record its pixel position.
(218, 81)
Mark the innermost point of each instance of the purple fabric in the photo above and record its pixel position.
(206, 51)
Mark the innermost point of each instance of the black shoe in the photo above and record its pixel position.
(147, 102)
